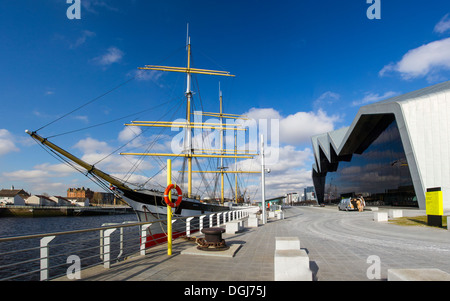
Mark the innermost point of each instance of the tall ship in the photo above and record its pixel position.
(149, 204)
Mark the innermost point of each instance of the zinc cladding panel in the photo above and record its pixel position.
(429, 128)
(422, 139)
(437, 132)
(412, 134)
(324, 143)
(443, 104)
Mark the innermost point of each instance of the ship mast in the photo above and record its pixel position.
(189, 125)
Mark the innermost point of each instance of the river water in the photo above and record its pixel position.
(18, 226)
(84, 245)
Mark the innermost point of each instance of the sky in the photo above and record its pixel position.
(306, 65)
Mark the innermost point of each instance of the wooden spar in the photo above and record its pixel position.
(187, 155)
(90, 168)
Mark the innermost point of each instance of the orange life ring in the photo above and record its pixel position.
(166, 195)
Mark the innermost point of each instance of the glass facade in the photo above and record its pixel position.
(379, 172)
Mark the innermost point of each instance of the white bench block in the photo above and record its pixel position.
(292, 265)
(233, 226)
(253, 222)
(287, 243)
(380, 216)
(279, 214)
(417, 275)
(393, 213)
(271, 213)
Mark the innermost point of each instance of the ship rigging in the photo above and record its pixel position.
(150, 202)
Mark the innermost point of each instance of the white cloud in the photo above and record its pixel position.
(290, 181)
(326, 99)
(61, 168)
(83, 118)
(443, 25)
(112, 55)
(90, 145)
(263, 113)
(129, 133)
(101, 155)
(291, 168)
(289, 157)
(92, 5)
(145, 75)
(41, 178)
(7, 144)
(423, 61)
(291, 173)
(297, 128)
(82, 39)
(373, 97)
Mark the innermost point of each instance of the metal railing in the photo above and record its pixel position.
(53, 255)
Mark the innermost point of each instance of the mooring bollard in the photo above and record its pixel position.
(213, 240)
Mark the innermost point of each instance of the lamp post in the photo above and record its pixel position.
(263, 192)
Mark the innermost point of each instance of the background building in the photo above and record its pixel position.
(309, 194)
(40, 200)
(13, 196)
(291, 198)
(80, 193)
(391, 153)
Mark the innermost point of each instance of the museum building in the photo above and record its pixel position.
(393, 151)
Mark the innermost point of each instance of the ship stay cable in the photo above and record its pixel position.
(138, 75)
(89, 102)
(141, 159)
(212, 159)
(110, 121)
(102, 183)
(157, 138)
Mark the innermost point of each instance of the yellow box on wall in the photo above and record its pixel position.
(434, 201)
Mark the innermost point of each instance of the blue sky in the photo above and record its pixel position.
(308, 64)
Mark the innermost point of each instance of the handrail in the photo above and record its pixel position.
(5, 239)
(133, 244)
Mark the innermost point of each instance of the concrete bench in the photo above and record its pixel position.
(252, 222)
(292, 265)
(232, 227)
(380, 216)
(417, 275)
(393, 213)
(271, 213)
(287, 243)
(252, 214)
(279, 214)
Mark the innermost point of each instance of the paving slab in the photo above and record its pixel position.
(342, 246)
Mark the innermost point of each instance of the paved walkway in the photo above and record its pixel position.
(339, 245)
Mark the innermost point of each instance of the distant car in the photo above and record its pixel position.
(346, 204)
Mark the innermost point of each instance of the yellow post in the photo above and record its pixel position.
(189, 176)
(169, 209)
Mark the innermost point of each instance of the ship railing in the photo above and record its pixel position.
(64, 255)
